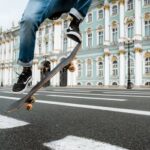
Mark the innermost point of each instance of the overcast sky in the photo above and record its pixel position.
(11, 10)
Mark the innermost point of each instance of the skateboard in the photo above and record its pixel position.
(29, 99)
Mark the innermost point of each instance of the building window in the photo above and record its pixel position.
(46, 46)
(89, 68)
(132, 67)
(100, 14)
(114, 10)
(40, 32)
(146, 2)
(100, 37)
(114, 35)
(100, 68)
(65, 43)
(89, 83)
(65, 24)
(147, 65)
(147, 28)
(46, 30)
(115, 68)
(89, 40)
(100, 84)
(147, 84)
(130, 30)
(114, 84)
(79, 69)
(130, 4)
(89, 18)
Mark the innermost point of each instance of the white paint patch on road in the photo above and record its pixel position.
(78, 143)
(7, 122)
(92, 94)
(95, 98)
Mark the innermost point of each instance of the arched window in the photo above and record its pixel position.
(100, 14)
(65, 44)
(146, 2)
(114, 83)
(79, 69)
(89, 17)
(78, 83)
(130, 4)
(115, 35)
(89, 38)
(130, 30)
(65, 24)
(89, 68)
(147, 65)
(89, 83)
(100, 84)
(100, 68)
(115, 68)
(147, 27)
(114, 10)
(131, 66)
(147, 84)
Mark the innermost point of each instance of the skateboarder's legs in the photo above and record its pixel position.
(35, 13)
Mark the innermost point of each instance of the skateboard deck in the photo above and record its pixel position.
(28, 99)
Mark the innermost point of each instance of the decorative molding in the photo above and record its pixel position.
(122, 52)
(138, 50)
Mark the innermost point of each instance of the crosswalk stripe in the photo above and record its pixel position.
(78, 143)
(8, 122)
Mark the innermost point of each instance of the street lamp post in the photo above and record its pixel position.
(129, 45)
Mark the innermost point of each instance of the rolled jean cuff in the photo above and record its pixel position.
(76, 13)
(29, 64)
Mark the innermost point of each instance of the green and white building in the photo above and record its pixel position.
(103, 58)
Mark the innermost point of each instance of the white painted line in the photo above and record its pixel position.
(17, 93)
(95, 98)
(7, 122)
(111, 109)
(78, 143)
(99, 94)
(128, 93)
(65, 91)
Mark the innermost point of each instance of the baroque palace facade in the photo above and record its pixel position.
(103, 58)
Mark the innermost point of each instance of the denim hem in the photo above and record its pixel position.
(76, 13)
(29, 64)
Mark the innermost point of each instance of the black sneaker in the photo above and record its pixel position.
(23, 80)
(73, 30)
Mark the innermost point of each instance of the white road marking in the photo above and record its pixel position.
(78, 143)
(95, 98)
(17, 93)
(111, 109)
(128, 93)
(99, 94)
(7, 122)
(65, 91)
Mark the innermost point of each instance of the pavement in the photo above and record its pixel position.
(77, 119)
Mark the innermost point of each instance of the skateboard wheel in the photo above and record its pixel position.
(71, 67)
(29, 107)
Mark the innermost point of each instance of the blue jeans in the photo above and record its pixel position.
(35, 13)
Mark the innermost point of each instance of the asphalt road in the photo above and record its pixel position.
(77, 119)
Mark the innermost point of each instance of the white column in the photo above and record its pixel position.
(107, 68)
(138, 20)
(106, 44)
(33, 74)
(122, 26)
(107, 13)
(138, 67)
(122, 68)
(57, 37)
